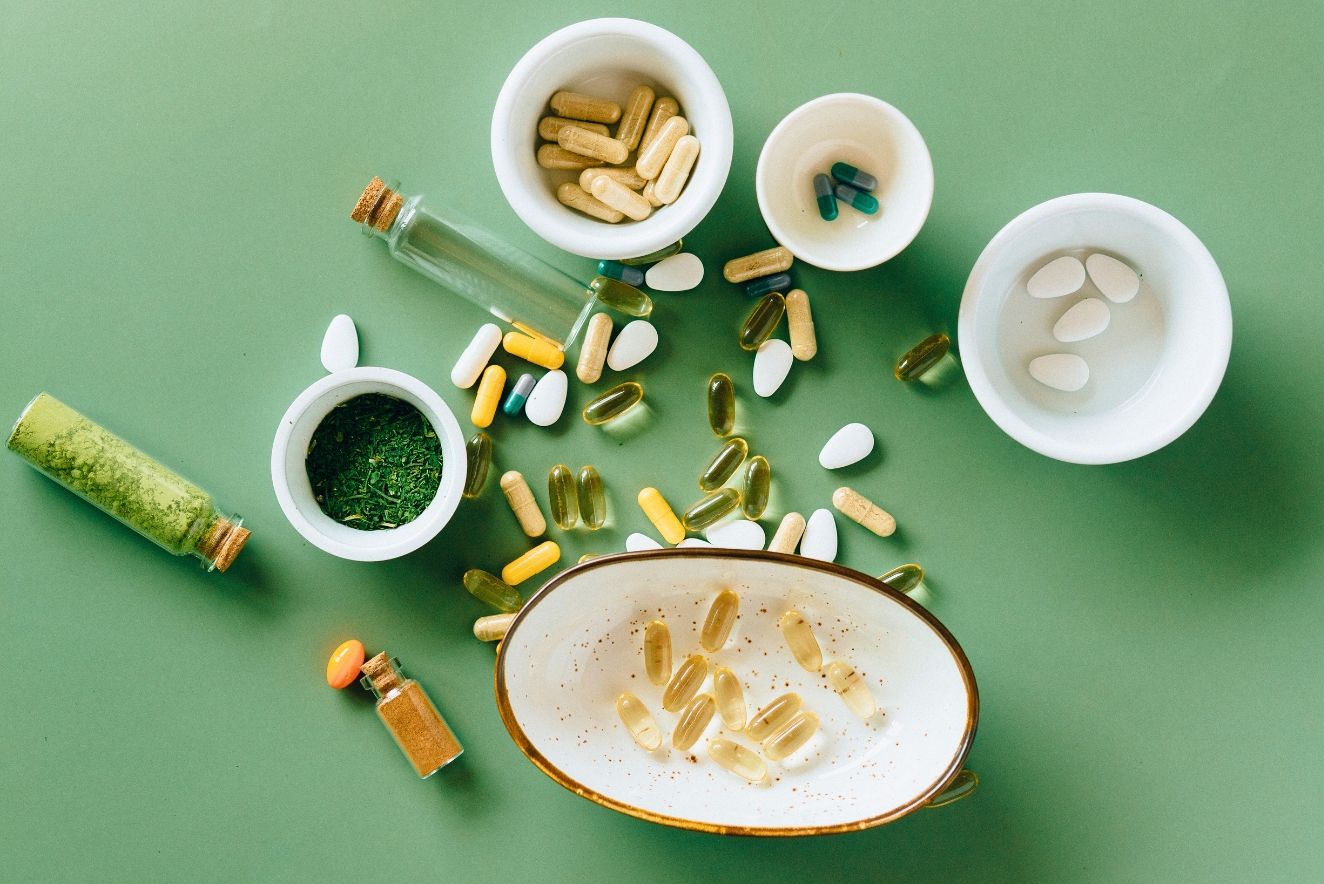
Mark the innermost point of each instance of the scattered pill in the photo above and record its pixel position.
(721, 404)
(851, 444)
(554, 156)
(593, 352)
(547, 399)
(634, 117)
(654, 257)
(762, 321)
(518, 394)
(677, 273)
(586, 556)
(621, 198)
(1061, 371)
(633, 345)
(724, 464)
(852, 689)
(340, 344)
(574, 196)
(563, 498)
(478, 457)
(736, 758)
(637, 542)
(659, 512)
(921, 358)
(693, 721)
(625, 175)
(652, 158)
(788, 534)
(819, 540)
(685, 683)
(585, 107)
(535, 350)
(1118, 282)
(721, 617)
(475, 357)
(1058, 277)
(613, 403)
(639, 722)
(621, 296)
(488, 396)
(342, 670)
(487, 588)
(591, 144)
(730, 698)
(710, 509)
(857, 507)
(773, 717)
(789, 739)
(905, 578)
(625, 273)
(772, 364)
(853, 177)
(671, 180)
(737, 534)
(657, 652)
(778, 282)
(801, 640)
(764, 263)
(493, 627)
(549, 128)
(856, 199)
(695, 542)
(1083, 320)
(663, 110)
(825, 197)
(800, 321)
(592, 498)
(540, 558)
(521, 500)
(758, 484)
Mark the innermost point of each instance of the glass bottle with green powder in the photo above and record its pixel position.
(141, 492)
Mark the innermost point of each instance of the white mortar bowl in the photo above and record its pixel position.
(608, 57)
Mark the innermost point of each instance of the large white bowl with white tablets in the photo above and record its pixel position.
(577, 645)
(607, 58)
(1148, 375)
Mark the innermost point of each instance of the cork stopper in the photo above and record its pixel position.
(381, 673)
(378, 206)
(223, 542)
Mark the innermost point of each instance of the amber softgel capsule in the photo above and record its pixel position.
(800, 639)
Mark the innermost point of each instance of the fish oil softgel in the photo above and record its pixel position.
(851, 688)
(497, 593)
(919, 359)
(639, 722)
(710, 509)
(800, 639)
(758, 485)
(693, 721)
(659, 512)
(721, 617)
(621, 296)
(655, 257)
(790, 738)
(730, 698)
(562, 496)
(478, 458)
(685, 683)
(737, 759)
(905, 579)
(657, 652)
(763, 321)
(613, 403)
(592, 498)
(721, 404)
(724, 464)
(773, 717)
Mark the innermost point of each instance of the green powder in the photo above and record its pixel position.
(374, 462)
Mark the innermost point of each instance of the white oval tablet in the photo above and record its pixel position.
(547, 399)
(1061, 371)
(737, 534)
(1084, 320)
(1118, 282)
(340, 345)
(679, 273)
(820, 538)
(1058, 277)
(633, 345)
(475, 357)
(693, 541)
(848, 445)
(772, 364)
(640, 542)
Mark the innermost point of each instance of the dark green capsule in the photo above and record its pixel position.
(493, 590)
(827, 200)
(618, 270)
(654, 257)
(847, 174)
(721, 404)
(857, 199)
(564, 499)
(905, 578)
(724, 464)
(710, 509)
(519, 394)
(758, 482)
(922, 357)
(778, 282)
(478, 454)
(592, 499)
(763, 321)
(613, 403)
(621, 296)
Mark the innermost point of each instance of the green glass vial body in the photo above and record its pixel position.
(562, 497)
(592, 499)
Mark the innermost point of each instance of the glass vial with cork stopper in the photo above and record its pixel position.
(409, 715)
(141, 492)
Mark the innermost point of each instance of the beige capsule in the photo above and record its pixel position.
(635, 116)
(550, 128)
(764, 263)
(663, 110)
(771, 718)
(801, 322)
(788, 534)
(686, 682)
(657, 652)
(621, 198)
(593, 352)
(671, 180)
(848, 684)
(736, 758)
(591, 144)
(861, 509)
(694, 720)
(624, 174)
(654, 157)
(785, 742)
(521, 500)
(585, 107)
(800, 639)
(650, 194)
(493, 628)
(574, 196)
(721, 617)
(554, 156)
(639, 721)
(730, 698)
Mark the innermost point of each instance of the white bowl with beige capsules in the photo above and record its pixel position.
(607, 58)
(576, 646)
(1152, 371)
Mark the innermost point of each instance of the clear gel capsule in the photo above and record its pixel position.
(778, 282)
(639, 722)
(853, 177)
(737, 759)
(562, 497)
(758, 482)
(487, 588)
(592, 499)
(763, 320)
(621, 296)
(710, 509)
(827, 200)
(626, 274)
(654, 257)
(724, 464)
(478, 457)
(685, 683)
(589, 556)
(659, 512)
(721, 617)
(538, 559)
(785, 743)
(657, 652)
(518, 395)
(694, 720)
(800, 639)
(847, 682)
(857, 199)
(905, 578)
(773, 717)
(721, 404)
(764, 263)
(730, 698)
(613, 403)
(922, 357)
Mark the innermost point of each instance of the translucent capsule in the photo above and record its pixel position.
(493, 628)
(621, 296)
(576, 197)
(785, 742)
(856, 506)
(657, 652)
(585, 107)
(653, 157)
(848, 684)
(788, 535)
(534, 350)
(800, 639)
(710, 509)
(635, 116)
(685, 683)
(771, 718)
(591, 144)
(521, 500)
(827, 200)
(592, 499)
(621, 198)
(538, 559)
(778, 282)
(721, 617)
(659, 512)
(736, 758)
(562, 497)
(730, 698)
(721, 404)
(922, 357)
(549, 128)
(804, 344)
(663, 110)
(613, 403)
(853, 177)
(518, 395)
(554, 156)
(856, 199)
(764, 263)
(693, 721)
(478, 457)
(671, 180)
(593, 352)
(487, 588)
(624, 174)
(904, 578)
(724, 464)
(639, 722)
(626, 274)
(763, 321)
(758, 483)
(654, 257)
(488, 396)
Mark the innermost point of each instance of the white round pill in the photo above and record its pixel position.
(640, 542)
(850, 444)
(547, 400)
(1058, 277)
(633, 345)
(820, 537)
(1085, 319)
(1061, 371)
(679, 273)
(737, 534)
(475, 356)
(1118, 282)
(340, 345)
(772, 364)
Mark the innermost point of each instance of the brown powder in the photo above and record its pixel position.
(408, 713)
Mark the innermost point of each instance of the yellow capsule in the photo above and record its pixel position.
(661, 515)
(771, 718)
(861, 509)
(534, 350)
(847, 682)
(488, 396)
(574, 196)
(593, 352)
(650, 194)
(721, 617)
(724, 464)
(540, 558)
(764, 263)
(654, 257)
(497, 593)
(637, 720)
(663, 110)
(613, 403)
(758, 484)
(627, 176)
(763, 321)
(621, 296)
(521, 500)
(800, 639)
(710, 509)
(635, 116)
(721, 404)
(478, 457)
(657, 652)
(562, 497)
(585, 107)
(554, 156)
(905, 578)
(671, 180)
(788, 534)
(549, 128)
(737, 759)
(621, 198)
(493, 628)
(686, 682)
(922, 357)
(592, 499)
(652, 158)
(730, 698)
(801, 323)
(591, 144)
(790, 738)
(694, 720)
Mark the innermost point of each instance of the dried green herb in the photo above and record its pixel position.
(374, 462)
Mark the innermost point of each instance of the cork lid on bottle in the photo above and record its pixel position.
(378, 206)
(223, 542)
(382, 673)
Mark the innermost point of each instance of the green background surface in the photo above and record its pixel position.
(178, 180)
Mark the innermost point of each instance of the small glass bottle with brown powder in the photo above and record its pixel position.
(409, 715)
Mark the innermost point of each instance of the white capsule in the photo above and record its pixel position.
(850, 444)
(475, 356)
(548, 398)
(679, 273)
(820, 537)
(633, 345)
(737, 534)
(640, 542)
(1061, 371)
(1085, 319)
(693, 541)
(1058, 277)
(772, 364)
(340, 345)
(1118, 282)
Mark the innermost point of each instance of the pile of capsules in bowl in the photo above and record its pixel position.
(610, 189)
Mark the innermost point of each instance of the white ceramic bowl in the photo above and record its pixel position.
(608, 57)
(577, 645)
(1152, 372)
(867, 133)
(295, 494)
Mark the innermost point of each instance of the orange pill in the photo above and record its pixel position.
(343, 667)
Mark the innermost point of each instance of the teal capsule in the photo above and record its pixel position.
(654, 257)
(847, 174)
(617, 270)
(519, 394)
(827, 200)
(710, 509)
(621, 296)
(478, 455)
(491, 589)
(857, 199)
(592, 499)
(778, 282)
(562, 496)
(724, 464)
